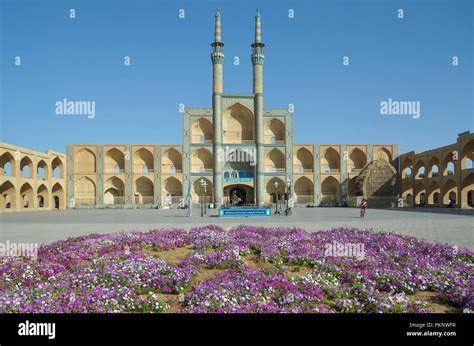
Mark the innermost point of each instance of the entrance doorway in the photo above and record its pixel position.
(237, 196)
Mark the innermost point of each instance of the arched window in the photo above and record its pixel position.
(143, 161)
(450, 169)
(42, 170)
(57, 167)
(7, 163)
(421, 172)
(26, 167)
(171, 161)
(237, 124)
(114, 161)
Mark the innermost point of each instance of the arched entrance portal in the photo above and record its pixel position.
(238, 194)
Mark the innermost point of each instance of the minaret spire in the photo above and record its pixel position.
(258, 33)
(217, 54)
(217, 36)
(258, 56)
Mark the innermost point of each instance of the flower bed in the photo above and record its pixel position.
(247, 269)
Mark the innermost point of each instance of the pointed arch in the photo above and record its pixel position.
(407, 168)
(7, 165)
(172, 161)
(450, 192)
(467, 155)
(173, 186)
(383, 154)
(330, 191)
(420, 194)
(144, 191)
(237, 124)
(7, 196)
(304, 161)
(273, 190)
(407, 192)
(202, 131)
(304, 190)
(275, 161)
(143, 161)
(449, 164)
(434, 191)
(114, 161)
(467, 191)
(434, 167)
(420, 169)
(85, 161)
(201, 160)
(84, 191)
(57, 168)
(357, 160)
(199, 194)
(26, 196)
(331, 161)
(274, 131)
(26, 167)
(42, 171)
(59, 200)
(114, 190)
(42, 195)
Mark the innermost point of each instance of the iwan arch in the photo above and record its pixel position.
(150, 175)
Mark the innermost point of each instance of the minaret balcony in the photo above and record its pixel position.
(217, 53)
(258, 59)
(217, 58)
(217, 47)
(258, 49)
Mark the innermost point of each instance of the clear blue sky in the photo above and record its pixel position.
(82, 59)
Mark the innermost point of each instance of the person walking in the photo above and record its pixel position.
(363, 207)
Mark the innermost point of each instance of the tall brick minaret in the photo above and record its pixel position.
(217, 57)
(258, 59)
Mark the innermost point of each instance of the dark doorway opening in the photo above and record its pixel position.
(237, 196)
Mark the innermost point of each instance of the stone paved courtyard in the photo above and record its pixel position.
(45, 227)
